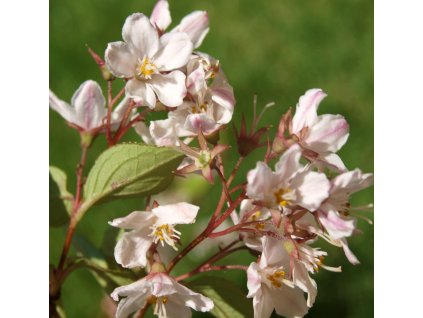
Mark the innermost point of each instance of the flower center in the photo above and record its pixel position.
(165, 233)
(203, 160)
(281, 196)
(276, 278)
(145, 69)
(197, 109)
(255, 217)
(159, 305)
(318, 263)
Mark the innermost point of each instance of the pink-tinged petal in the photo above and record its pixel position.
(141, 92)
(131, 249)
(312, 188)
(337, 226)
(195, 25)
(253, 279)
(120, 61)
(200, 122)
(348, 253)
(192, 299)
(161, 284)
(175, 51)
(89, 104)
(175, 308)
(170, 88)
(178, 213)
(207, 173)
(163, 133)
(136, 298)
(196, 81)
(224, 97)
(289, 302)
(332, 161)
(302, 279)
(274, 253)
(328, 134)
(288, 164)
(160, 17)
(218, 149)
(351, 181)
(140, 35)
(262, 303)
(143, 131)
(135, 220)
(306, 111)
(259, 181)
(63, 108)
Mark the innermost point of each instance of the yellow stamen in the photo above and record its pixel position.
(279, 197)
(146, 69)
(276, 278)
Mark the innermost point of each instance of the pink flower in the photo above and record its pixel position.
(167, 297)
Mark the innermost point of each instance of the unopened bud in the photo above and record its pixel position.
(101, 65)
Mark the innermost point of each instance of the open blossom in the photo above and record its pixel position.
(168, 298)
(150, 62)
(270, 284)
(319, 136)
(87, 110)
(195, 24)
(291, 184)
(157, 226)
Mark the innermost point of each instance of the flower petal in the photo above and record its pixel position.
(178, 213)
(328, 134)
(253, 279)
(274, 253)
(170, 88)
(302, 279)
(141, 36)
(200, 122)
(312, 188)
(64, 109)
(259, 181)
(348, 253)
(195, 25)
(141, 92)
(351, 181)
(89, 104)
(163, 133)
(136, 298)
(306, 111)
(131, 249)
(175, 51)
(289, 302)
(196, 81)
(142, 130)
(337, 226)
(262, 303)
(135, 220)
(332, 161)
(288, 164)
(120, 60)
(160, 17)
(192, 299)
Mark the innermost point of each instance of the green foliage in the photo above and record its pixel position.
(60, 200)
(131, 169)
(229, 300)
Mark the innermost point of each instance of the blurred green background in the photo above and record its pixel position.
(275, 49)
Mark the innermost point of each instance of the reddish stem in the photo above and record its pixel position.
(235, 171)
(212, 268)
(143, 311)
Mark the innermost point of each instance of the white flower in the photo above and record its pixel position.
(290, 184)
(147, 228)
(319, 136)
(150, 62)
(168, 298)
(195, 24)
(270, 285)
(87, 110)
(207, 107)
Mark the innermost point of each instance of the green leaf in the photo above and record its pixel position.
(131, 170)
(60, 199)
(229, 300)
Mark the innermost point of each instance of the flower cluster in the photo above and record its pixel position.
(282, 211)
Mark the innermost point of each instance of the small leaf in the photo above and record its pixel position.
(131, 170)
(229, 300)
(60, 199)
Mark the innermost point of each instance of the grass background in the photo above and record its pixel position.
(275, 49)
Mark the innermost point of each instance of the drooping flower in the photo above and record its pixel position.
(157, 226)
(195, 24)
(87, 110)
(319, 136)
(168, 298)
(150, 62)
(291, 184)
(271, 285)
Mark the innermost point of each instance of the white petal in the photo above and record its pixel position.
(288, 164)
(200, 122)
(178, 213)
(289, 302)
(175, 51)
(141, 92)
(175, 308)
(136, 297)
(348, 253)
(224, 97)
(161, 284)
(143, 131)
(63, 108)
(306, 111)
(263, 304)
(274, 254)
(351, 181)
(196, 81)
(259, 181)
(120, 60)
(253, 279)
(170, 88)
(337, 226)
(160, 17)
(302, 279)
(196, 25)
(140, 35)
(328, 134)
(134, 220)
(89, 104)
(192, 299)
(332, 161)
(163, 133)
(131, 249)
(312, 188)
